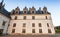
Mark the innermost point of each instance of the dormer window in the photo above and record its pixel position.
(13, 13)
(15, 17)
(16, 12)
(45, 9)
(24, 11)
(32, 11)
(33, 17)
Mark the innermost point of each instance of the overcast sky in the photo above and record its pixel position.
(53, 7)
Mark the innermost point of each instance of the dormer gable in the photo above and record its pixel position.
(25, 10)
(17, 10)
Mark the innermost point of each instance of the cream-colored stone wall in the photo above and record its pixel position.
(39, 18)
(4, 18)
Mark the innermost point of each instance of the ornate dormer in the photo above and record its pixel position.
(29, 9)
(45, 9)
(25, 10)
(33, 10)
(13, 11)
(2, 5)
(17, 10)
(39, 8)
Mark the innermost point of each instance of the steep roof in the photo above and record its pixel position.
(15, 11)
(3, 10)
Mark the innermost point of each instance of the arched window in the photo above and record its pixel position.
(32, 11)
(24, 11)
(15, 17)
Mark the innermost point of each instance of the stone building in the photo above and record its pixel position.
(31, 21)
(28, 21)
(4, 19)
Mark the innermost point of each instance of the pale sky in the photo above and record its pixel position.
(53, 7)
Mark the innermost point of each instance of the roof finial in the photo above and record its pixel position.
(2, 1)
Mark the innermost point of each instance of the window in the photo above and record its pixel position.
(46, 17)
(33, 24)
(23, 30)
(24, 17)
(33, 17)
(15, 17)
(33, 30)
(45, 11)
(49, 31)
(13, 13)
(14, 25)
(4, 22)
(40, 30)
(47, 25)
(32, 11)
(24, 24)
(1, 31)
(16, 12)
(39, 24)
(13, 30)
(24, 11)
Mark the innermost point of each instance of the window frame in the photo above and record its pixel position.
(15, 18)
(23, 30)
(33, 24)
(40, 30)
(13, 30)
(24, 17)
(40, 25)
(46, 17)
(33, 17)
(49, 31)
(47, 24)
(24, 24)
(4, 22)
(14, 25)
(33, 30)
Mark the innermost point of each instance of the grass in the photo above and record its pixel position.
(57, 30)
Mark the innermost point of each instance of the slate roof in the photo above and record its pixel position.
(37, 12)
(5, 12)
